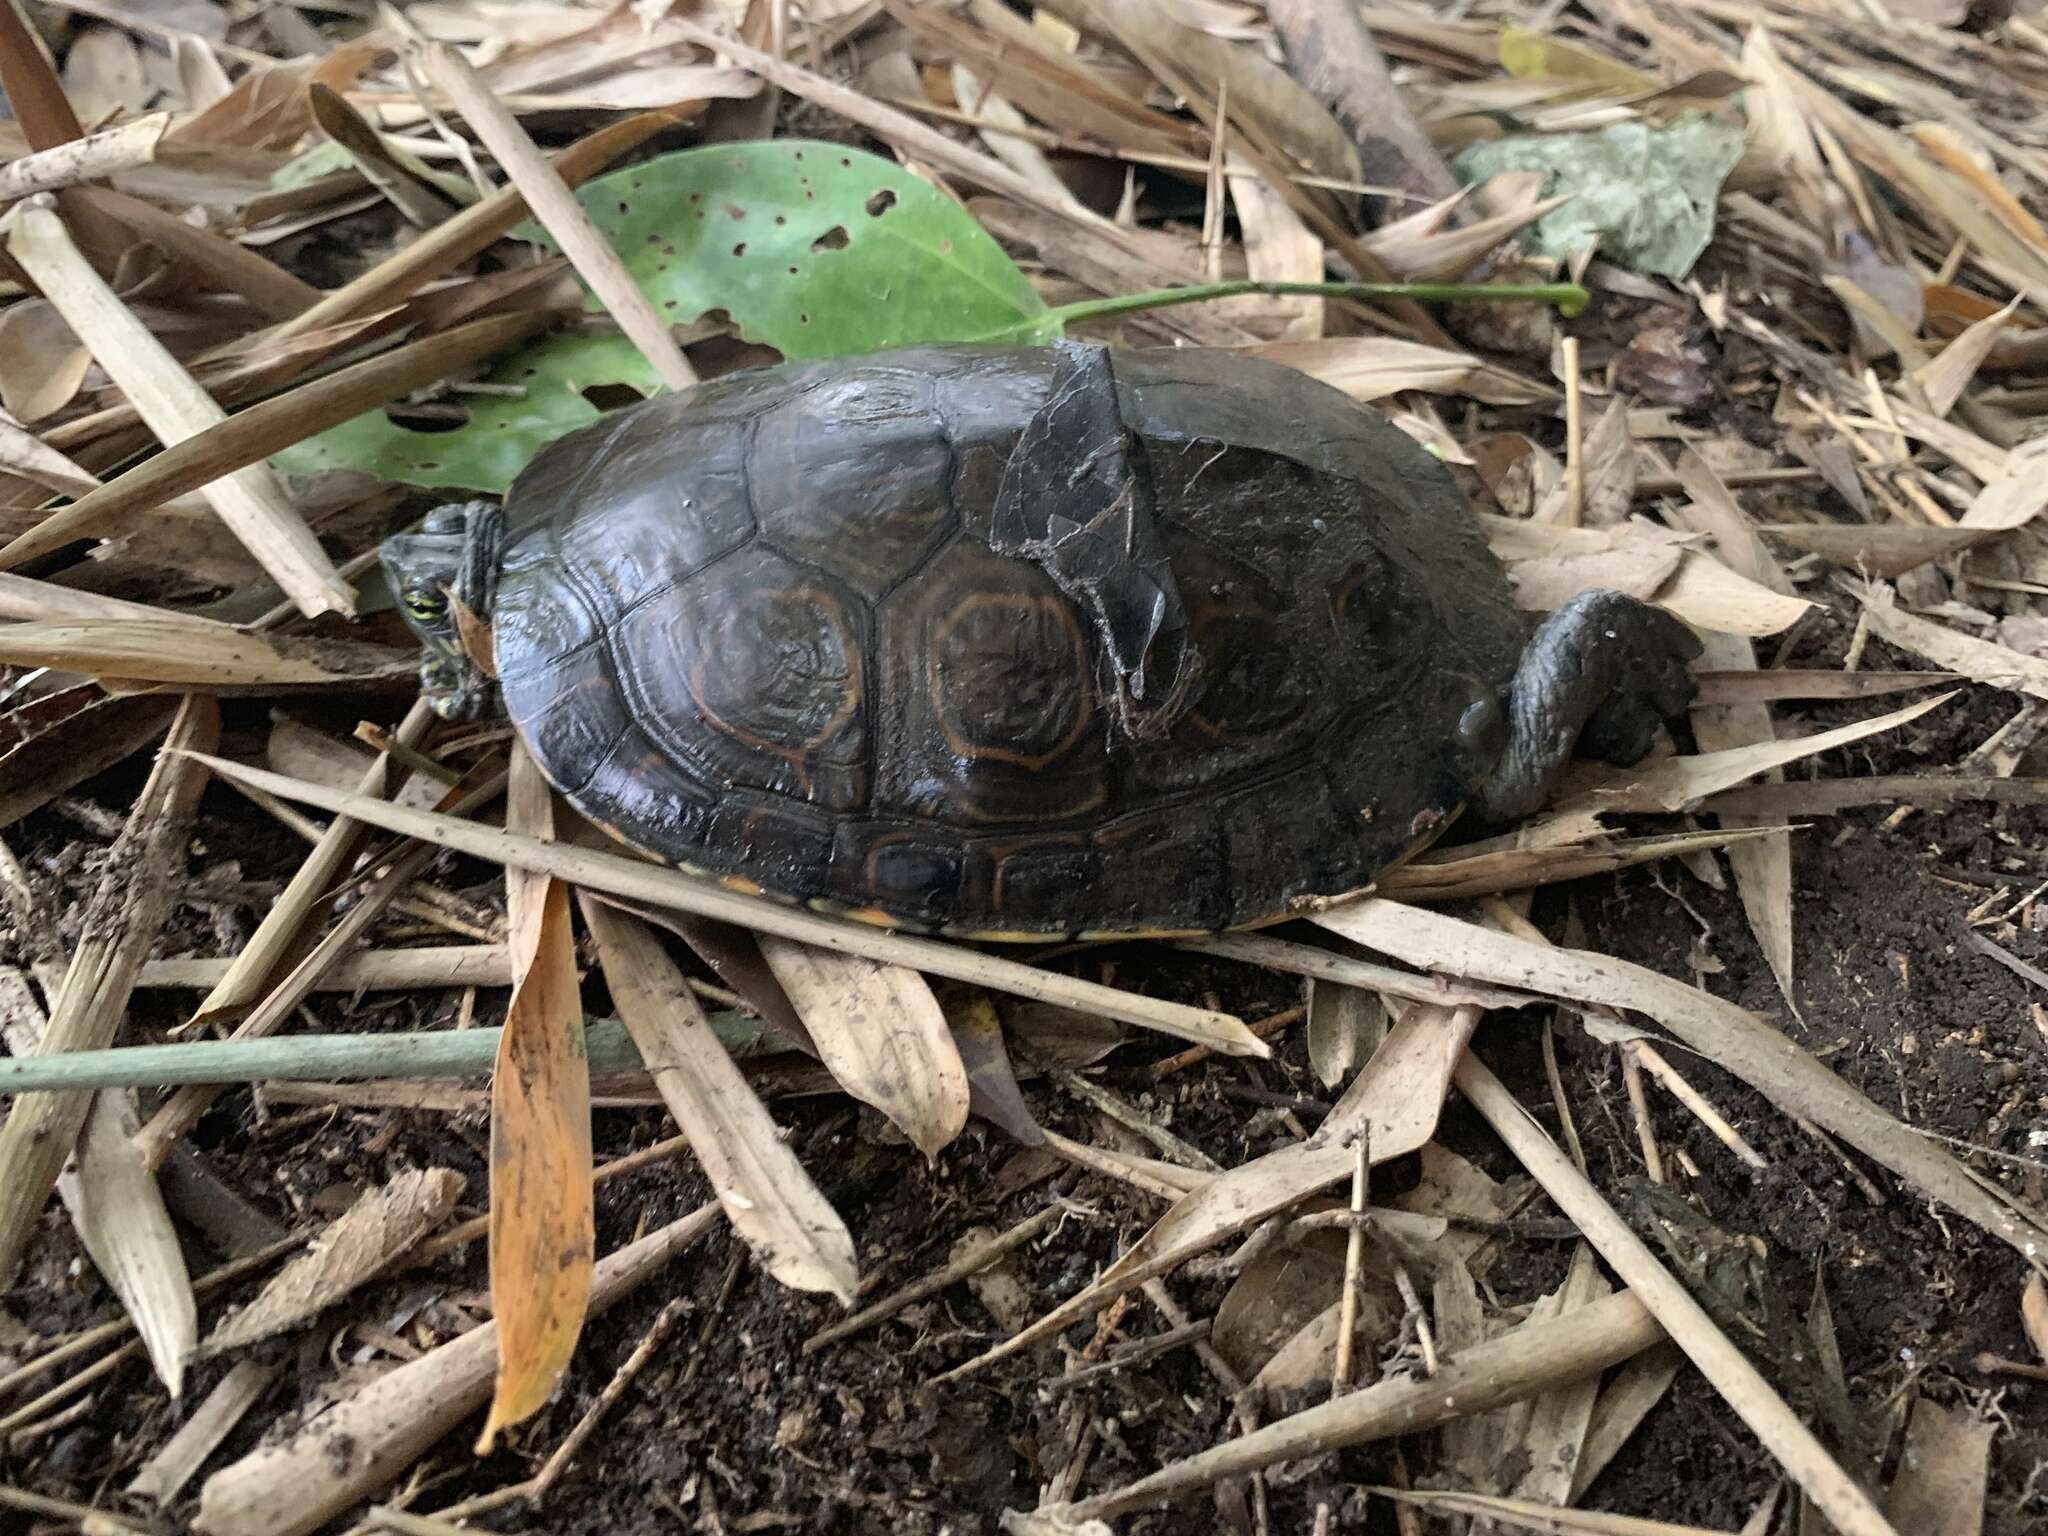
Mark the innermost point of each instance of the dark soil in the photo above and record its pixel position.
(733, 1428)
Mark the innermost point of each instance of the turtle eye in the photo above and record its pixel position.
(426, 604)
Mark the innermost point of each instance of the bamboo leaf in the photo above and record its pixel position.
(542, 1225)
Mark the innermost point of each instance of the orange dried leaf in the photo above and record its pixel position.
(2034, 1314)
(542, 1226)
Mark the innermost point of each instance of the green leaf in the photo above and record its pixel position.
(814, 249)
(503, 432)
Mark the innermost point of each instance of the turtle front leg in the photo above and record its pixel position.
(1600, 675)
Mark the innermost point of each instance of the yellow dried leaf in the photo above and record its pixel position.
(1533, 55)
(542, 1227)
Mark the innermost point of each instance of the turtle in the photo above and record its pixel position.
(1019, 643)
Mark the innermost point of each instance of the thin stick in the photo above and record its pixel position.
(464, 1233)
(84, 1516)
(1122, 1112)
(88, 159)
(1564, 1108)
(249, 436)
(1425, 1336)
(1266, 1028)
(1162, 1180)
(70, 1386)
(1517, 1365)
(182, 1110)
(250, 501)
(373, 970)
(1354, 1261)
(105, 1333)
(447, 245)
(1574, 439)
(1137, 1352)
(555, 206)
(1654, 1063)
(657, 1331)
(969, 1263)
(1323, 965)
(638, 880)
(1832, 1490)
(1646, 1134)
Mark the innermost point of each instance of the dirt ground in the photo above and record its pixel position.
(733, 1428)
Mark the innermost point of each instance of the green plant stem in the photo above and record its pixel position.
(320, 1058)
(1570, 298)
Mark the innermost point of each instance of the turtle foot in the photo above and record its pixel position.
(1600, 676)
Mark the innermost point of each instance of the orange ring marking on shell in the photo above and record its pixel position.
(794, 756)
(946, 626)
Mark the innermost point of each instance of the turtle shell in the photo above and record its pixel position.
(783, 628)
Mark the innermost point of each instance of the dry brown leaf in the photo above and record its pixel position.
(42, 362)
(1397, 1100)
(883, 1036)
(297, 749)
(1944, 377)
(1222, 1206)
(1640, 567)
(1703, 592)
(1986, 661)
(2019, 493)
(1373, 367)
(116, 1207)
(1554, 1431)
(542, 1223)
(1425, 247)
(1762, 866)
(35, 95)
(1470, 1199)
(1624, 1403)
(119, 927)
(1961, 159)
(1278, 1321)
(767, 1196)
(1504, 1370)
(250, 501)
(1260, 92)
(1944, 1468)
(1452, 876)
(1883, 550)
(2034, 1313)
(55, 743)
(103, 74)
(1609, 456)
(1735, 1039)
(372, 1235)
(1679, 783)
(992, 1091)
(1345, 1027)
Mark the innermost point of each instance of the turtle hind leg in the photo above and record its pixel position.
(1600, 676)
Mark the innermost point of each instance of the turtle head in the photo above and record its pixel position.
(445, 578)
